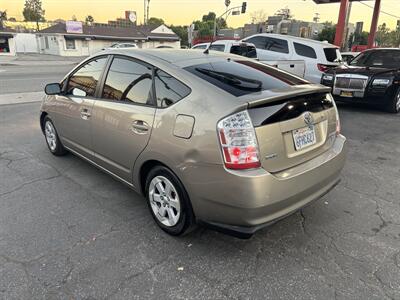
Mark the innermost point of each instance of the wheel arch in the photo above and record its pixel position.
(42, 117)
(145, 168)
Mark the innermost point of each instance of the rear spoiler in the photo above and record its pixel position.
(281, 95)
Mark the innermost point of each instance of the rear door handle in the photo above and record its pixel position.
(85, 113)
(140, 127)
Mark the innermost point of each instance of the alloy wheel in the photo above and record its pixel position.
(164, 201)
(51, 136)
(397, 104)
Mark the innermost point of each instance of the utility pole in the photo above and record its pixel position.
(144, 12)
(148, 13)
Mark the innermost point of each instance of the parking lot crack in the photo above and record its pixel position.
(28, 183)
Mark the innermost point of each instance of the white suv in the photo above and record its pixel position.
(304, 57)
(230, 46)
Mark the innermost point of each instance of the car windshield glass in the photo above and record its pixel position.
(242, 77)
(380, 58)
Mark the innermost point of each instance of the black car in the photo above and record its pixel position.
(372, 77)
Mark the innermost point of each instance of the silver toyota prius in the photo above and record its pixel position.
(207, 138)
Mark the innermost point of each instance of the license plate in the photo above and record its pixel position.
(346, 94)
(304, 137)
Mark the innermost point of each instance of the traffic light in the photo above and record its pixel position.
(244, 6)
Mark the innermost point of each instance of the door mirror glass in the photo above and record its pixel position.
(78, 92)
(52, 89)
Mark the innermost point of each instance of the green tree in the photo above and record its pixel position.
(328, 32)
(209, 17)
(358, 39)
(382, 37)
(74, 18)
(33, 12)
(155, 21)
(3, 17)
(182, 32)
(394, 37)
(89, 20)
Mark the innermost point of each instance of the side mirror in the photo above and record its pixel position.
(52, 89)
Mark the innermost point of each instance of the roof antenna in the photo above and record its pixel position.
(207, 51)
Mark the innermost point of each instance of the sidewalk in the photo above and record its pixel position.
(18, 98)
(38, 60)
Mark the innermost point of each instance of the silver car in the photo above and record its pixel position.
(214, 139)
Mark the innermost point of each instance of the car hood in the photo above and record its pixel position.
(368, 71)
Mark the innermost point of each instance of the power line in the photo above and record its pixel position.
(386, 13)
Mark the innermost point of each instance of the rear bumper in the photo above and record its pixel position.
(245, 232)
(244, 202)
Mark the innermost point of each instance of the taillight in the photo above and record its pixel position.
(322, 68)
(338, 126)
(238, 141)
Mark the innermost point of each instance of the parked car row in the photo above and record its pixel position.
(370, 77)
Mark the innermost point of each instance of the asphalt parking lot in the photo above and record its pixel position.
(68, 231)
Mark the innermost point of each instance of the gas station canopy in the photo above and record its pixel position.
(334, 1)
(340, 26)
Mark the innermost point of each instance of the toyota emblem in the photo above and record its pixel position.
(308, 118)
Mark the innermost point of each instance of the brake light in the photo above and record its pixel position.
(338, 126)
(238, 142)
(322, 68)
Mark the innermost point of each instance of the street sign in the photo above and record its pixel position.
(74, 27)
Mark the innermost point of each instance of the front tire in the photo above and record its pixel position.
(394, 105)
(168, 201)
(52, 140)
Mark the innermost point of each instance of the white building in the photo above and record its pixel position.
(83, 40)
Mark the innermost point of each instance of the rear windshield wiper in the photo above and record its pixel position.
(234, 80)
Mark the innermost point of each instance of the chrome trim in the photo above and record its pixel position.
(360, 91)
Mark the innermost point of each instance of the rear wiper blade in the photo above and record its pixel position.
(234, 80)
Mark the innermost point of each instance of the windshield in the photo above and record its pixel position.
(242, 77)
(389, 59)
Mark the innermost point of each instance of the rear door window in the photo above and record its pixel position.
(242, 77)
(169, 90)
(304, 50)
(332, 54)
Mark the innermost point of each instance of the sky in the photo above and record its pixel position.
(183, 12)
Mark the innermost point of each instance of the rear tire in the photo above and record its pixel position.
(52, 140)
(168, 201)
(394, 105)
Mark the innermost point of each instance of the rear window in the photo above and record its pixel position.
(332, 54)
(242, 77)
(247, 51)
(304, 50)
